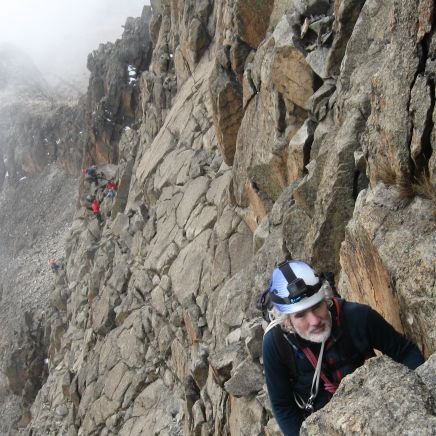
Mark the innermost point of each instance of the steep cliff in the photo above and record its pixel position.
(252, 130)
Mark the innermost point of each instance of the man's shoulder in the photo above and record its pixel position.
(274, 338)
(270, 337)
(354, 313)
(352, 307)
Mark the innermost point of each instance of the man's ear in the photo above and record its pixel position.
(289, 325)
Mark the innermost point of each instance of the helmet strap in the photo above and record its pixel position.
(287, 271)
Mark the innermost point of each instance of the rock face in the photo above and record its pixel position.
(112, 99)
(380, 389)
(253, 130)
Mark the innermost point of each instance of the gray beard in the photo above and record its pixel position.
(317, 337)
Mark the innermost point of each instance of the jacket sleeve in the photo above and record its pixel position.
(383, 337)
(280, 390)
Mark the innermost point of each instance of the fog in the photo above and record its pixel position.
(59, 34)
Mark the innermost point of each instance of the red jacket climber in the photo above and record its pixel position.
(95, 206)
(111, 185)
(110, 188)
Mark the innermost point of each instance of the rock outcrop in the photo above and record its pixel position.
(113, 92)
(253, 130)
(379, 389)
(36, 128)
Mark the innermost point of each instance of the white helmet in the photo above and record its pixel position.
(295, 287)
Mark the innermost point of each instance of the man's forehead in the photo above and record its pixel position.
(308, 309)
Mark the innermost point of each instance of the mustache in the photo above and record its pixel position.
(321, 324)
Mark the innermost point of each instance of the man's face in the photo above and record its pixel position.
(313, 324)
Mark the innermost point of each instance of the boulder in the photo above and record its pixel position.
(428, 375)
(365, 399)
(252, 20)
(246, 379)
(198, 38)
(290, 71)
(226, 94)
(245, 416)
(223, 361)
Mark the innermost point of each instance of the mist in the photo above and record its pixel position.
(59, 34)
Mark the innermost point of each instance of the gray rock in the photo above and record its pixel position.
(364, 400)
(200, 368)
(62, 410)
(197, 416)
(185, 272)
(299, 150)
(223, 361)
(233, 337)
(261, 233)
(120, 225)
(192, 195)
(202, 217)
(158, 300)
(420, 107)
(154, 399)
(246, 379)
(310, 7)
(191, 317)
(428, 374)
(240, 249)
(317, 59)
(253, 334)
(272, 428)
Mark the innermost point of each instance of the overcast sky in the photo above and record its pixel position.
(59, 34)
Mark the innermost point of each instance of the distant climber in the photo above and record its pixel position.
(92, 174)
(54, 266)
(88, 200)
(110, 189)
(315, 339)
(95, 207)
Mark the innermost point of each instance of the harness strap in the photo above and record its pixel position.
(328, 385)
(338, 310)
(308, 406)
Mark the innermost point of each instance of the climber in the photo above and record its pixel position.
(314, 339)
(54, 266)
(110, 188)
(88, 200)
(95, 207)
(92, 174)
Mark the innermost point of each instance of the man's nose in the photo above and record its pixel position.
(312, 318)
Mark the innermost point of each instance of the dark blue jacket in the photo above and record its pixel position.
(355, 335)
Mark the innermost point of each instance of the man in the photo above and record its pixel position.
(95, 207)
(54, 266)
(315, 339)
(110, 188)
(92, 174)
